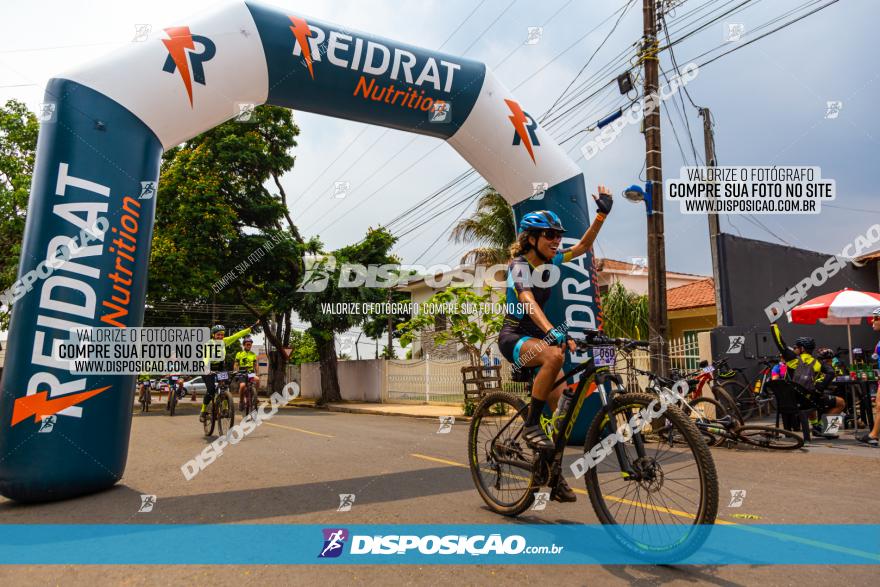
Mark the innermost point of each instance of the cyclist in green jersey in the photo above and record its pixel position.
(245, 360)
(215, 362)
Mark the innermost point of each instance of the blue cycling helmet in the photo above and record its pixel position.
(541, 220)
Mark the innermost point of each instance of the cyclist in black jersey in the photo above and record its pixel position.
(528, 338)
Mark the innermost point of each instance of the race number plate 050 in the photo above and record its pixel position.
(603, 356)
(222, 376)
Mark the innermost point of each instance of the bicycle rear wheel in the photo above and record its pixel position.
(769, 437)
(172, 403)
(659, 501)
(500, 461)
(739, 399)
(703, 409)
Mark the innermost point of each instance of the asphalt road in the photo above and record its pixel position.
(292, 469)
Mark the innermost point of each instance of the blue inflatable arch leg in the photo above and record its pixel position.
(112, 122)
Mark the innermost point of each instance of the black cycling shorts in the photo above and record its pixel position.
(510, 343)
(825, 401)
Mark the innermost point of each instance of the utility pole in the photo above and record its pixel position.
(714, 226)
(390, 324)
(658, 322)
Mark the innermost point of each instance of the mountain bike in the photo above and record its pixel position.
(251, 401)
(749, 397)
(171, 404)
(757, 400)
(640, 487)
(221, 408)
(711, 377)
(701, 409)
(720, 426)
(145, 398)
(725, 430)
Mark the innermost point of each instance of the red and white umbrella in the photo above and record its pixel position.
(846, 306)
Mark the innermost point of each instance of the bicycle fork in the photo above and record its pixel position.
(608, 385)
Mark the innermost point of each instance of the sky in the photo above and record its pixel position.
(768, 101)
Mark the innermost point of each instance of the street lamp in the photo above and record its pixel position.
(657, 319)
(635, 193)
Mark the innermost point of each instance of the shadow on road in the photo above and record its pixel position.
(120, 504)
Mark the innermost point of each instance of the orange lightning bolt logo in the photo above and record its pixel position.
(182, 56)
(302, 32)
(39, 405)
(180, 40)
(524, 127)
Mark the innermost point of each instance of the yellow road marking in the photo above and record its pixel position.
(745, 527)
(584, 492)
(298, 430)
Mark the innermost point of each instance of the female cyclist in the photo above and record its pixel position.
(528, 338)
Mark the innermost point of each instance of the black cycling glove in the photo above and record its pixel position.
(604, 203)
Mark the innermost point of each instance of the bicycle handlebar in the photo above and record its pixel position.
(595, 338)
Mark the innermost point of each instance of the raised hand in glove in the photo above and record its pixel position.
(604, 201)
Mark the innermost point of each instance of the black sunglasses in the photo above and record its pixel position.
(551, 234)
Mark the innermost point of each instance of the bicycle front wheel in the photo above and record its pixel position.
(769, 437)
(657, 498)
(500, 461)
(210, 419)
(225, 412)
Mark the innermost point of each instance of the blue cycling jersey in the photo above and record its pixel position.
(522, 276)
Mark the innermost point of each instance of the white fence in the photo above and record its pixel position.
(440, 382)
(424, 381)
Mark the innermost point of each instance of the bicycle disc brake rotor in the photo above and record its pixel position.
(648, 473)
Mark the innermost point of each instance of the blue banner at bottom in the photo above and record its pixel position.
(170, 544)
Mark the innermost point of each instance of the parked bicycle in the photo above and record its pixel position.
(720, 426)
(725, 430)
(221, 408)
(706, 378)
(749, 397)
(641, 489)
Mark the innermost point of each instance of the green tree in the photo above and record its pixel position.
(223, 237)
(625, 314)
(18, 144)
(471, 323)
(314, 305)
(491, 226)
(305, 350)
(376, 326)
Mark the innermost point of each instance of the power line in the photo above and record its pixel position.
(599, 48)
(384, 132)
(443, 232)
(777, 29)
(491, 24)
(466, 18)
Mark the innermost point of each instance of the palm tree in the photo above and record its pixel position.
(491, 226)
(625, 313)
